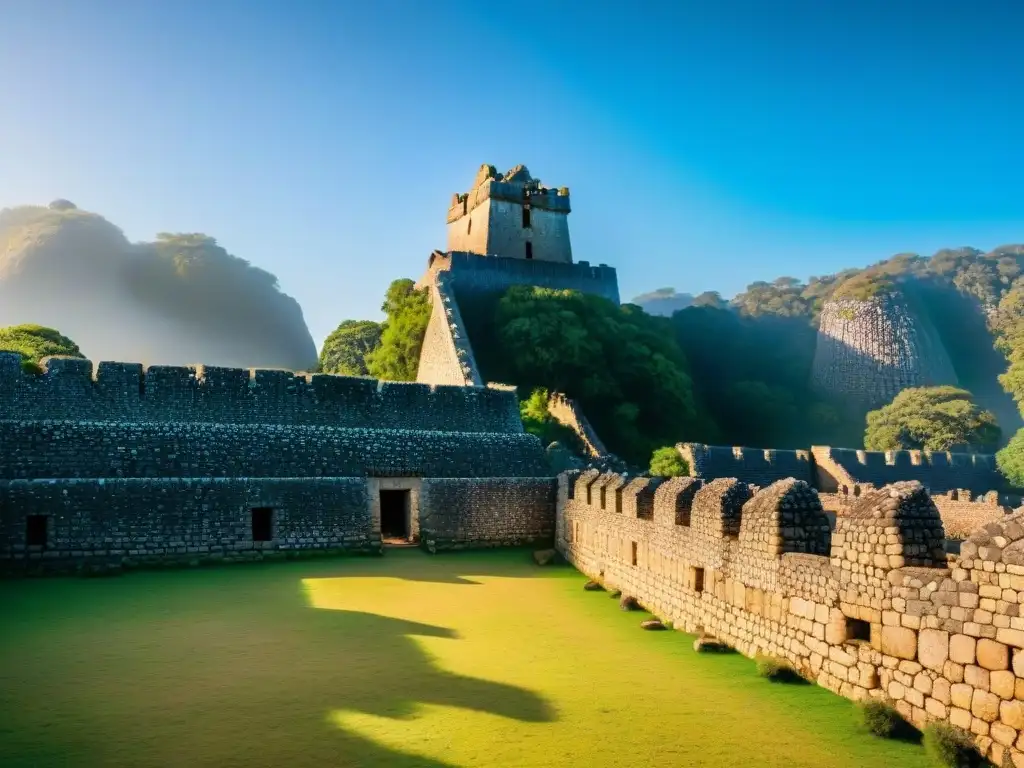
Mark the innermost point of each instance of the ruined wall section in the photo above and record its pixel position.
(125, 392)
(883, 615)
(869, 351)
(446, 356)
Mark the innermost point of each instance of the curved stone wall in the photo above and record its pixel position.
(869, 351)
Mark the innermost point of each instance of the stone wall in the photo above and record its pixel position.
(446, 356)
(491, 275)
(939, 471)
(486, 512)
(869, 351)
(568, 414)
(874, 610)
(125, 392)
(757, 466)
(186, 520)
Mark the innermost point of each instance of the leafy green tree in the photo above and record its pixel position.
(621, 364)
(933, 418)
(1010, 460)
(408, 312)
(345, 350)
(34, 342)
(666, 462)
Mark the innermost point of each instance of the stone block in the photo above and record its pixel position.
(985, 706)
(933, 648)
(962, 649)
(993, 655)
(899, 642)
(1002, 683)
(960, 695)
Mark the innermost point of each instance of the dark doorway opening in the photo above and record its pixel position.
(262, 524)
(394, 515)
(35, 530)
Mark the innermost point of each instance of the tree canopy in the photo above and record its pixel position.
(408, 313)
(345, 350)
(620, 364)
(932, 418)
(666, 462)
(34, 342)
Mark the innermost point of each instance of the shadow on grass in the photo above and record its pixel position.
(230, 666)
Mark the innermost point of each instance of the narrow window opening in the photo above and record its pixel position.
(262, 524)
(618, 500)
(858, 630)
(469, 226)
(571, 490)
(602, 497)
(35, 530)
(526, 217)
(589, 496)
(635, 552)
(529, 250)
(698, 579)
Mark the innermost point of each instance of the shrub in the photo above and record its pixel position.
(777, 671)
(666, 462)
(950, 746)
(882, 719)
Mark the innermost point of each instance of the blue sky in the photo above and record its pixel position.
(706, 145)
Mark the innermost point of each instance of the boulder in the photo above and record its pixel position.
(544, 556)
(593, 586)
(628, 603)
(652, 625)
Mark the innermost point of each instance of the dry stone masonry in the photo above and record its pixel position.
(963, 486)
(869, 351)
(127, 465)
(874, 610)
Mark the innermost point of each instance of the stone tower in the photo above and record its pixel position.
(512, 216)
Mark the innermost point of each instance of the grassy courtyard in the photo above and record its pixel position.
(407, 660)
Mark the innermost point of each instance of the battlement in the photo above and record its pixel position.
(758, 466)
(515, 186)
(72, 389)
(938, 471)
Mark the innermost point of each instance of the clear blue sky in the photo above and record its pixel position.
(706, 144)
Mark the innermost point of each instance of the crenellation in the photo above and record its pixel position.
(874, 610)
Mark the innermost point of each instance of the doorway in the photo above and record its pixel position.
(394, 515)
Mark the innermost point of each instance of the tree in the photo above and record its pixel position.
(1010, 460)
(619, 363)
(345, 350)
(932, 418)
(537, 420)
(34, 342)
(666, 462)
(408, 312)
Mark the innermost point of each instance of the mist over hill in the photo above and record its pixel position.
(178, 300)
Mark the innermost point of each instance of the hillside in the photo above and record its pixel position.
(180, 299)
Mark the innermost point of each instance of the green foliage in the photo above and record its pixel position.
(34, 342)
(620, 364)
(408, 312)
(345, 350)
(951, 747)
(864, 287)
(537, 420)
(932, 418)
(666, 462)
(1010, 460)
(753, 374)
(883, 720)
(777, 671)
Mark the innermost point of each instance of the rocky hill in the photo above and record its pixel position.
(179, 300)
(868, 351)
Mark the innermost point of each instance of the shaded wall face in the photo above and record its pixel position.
(180, 520)
(548, 233)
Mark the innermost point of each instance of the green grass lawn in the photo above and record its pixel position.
(406, 660)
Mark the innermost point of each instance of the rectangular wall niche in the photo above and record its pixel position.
(262, 524)
(858, 630)
(697, 579)
(35, 530)
(635, 552)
